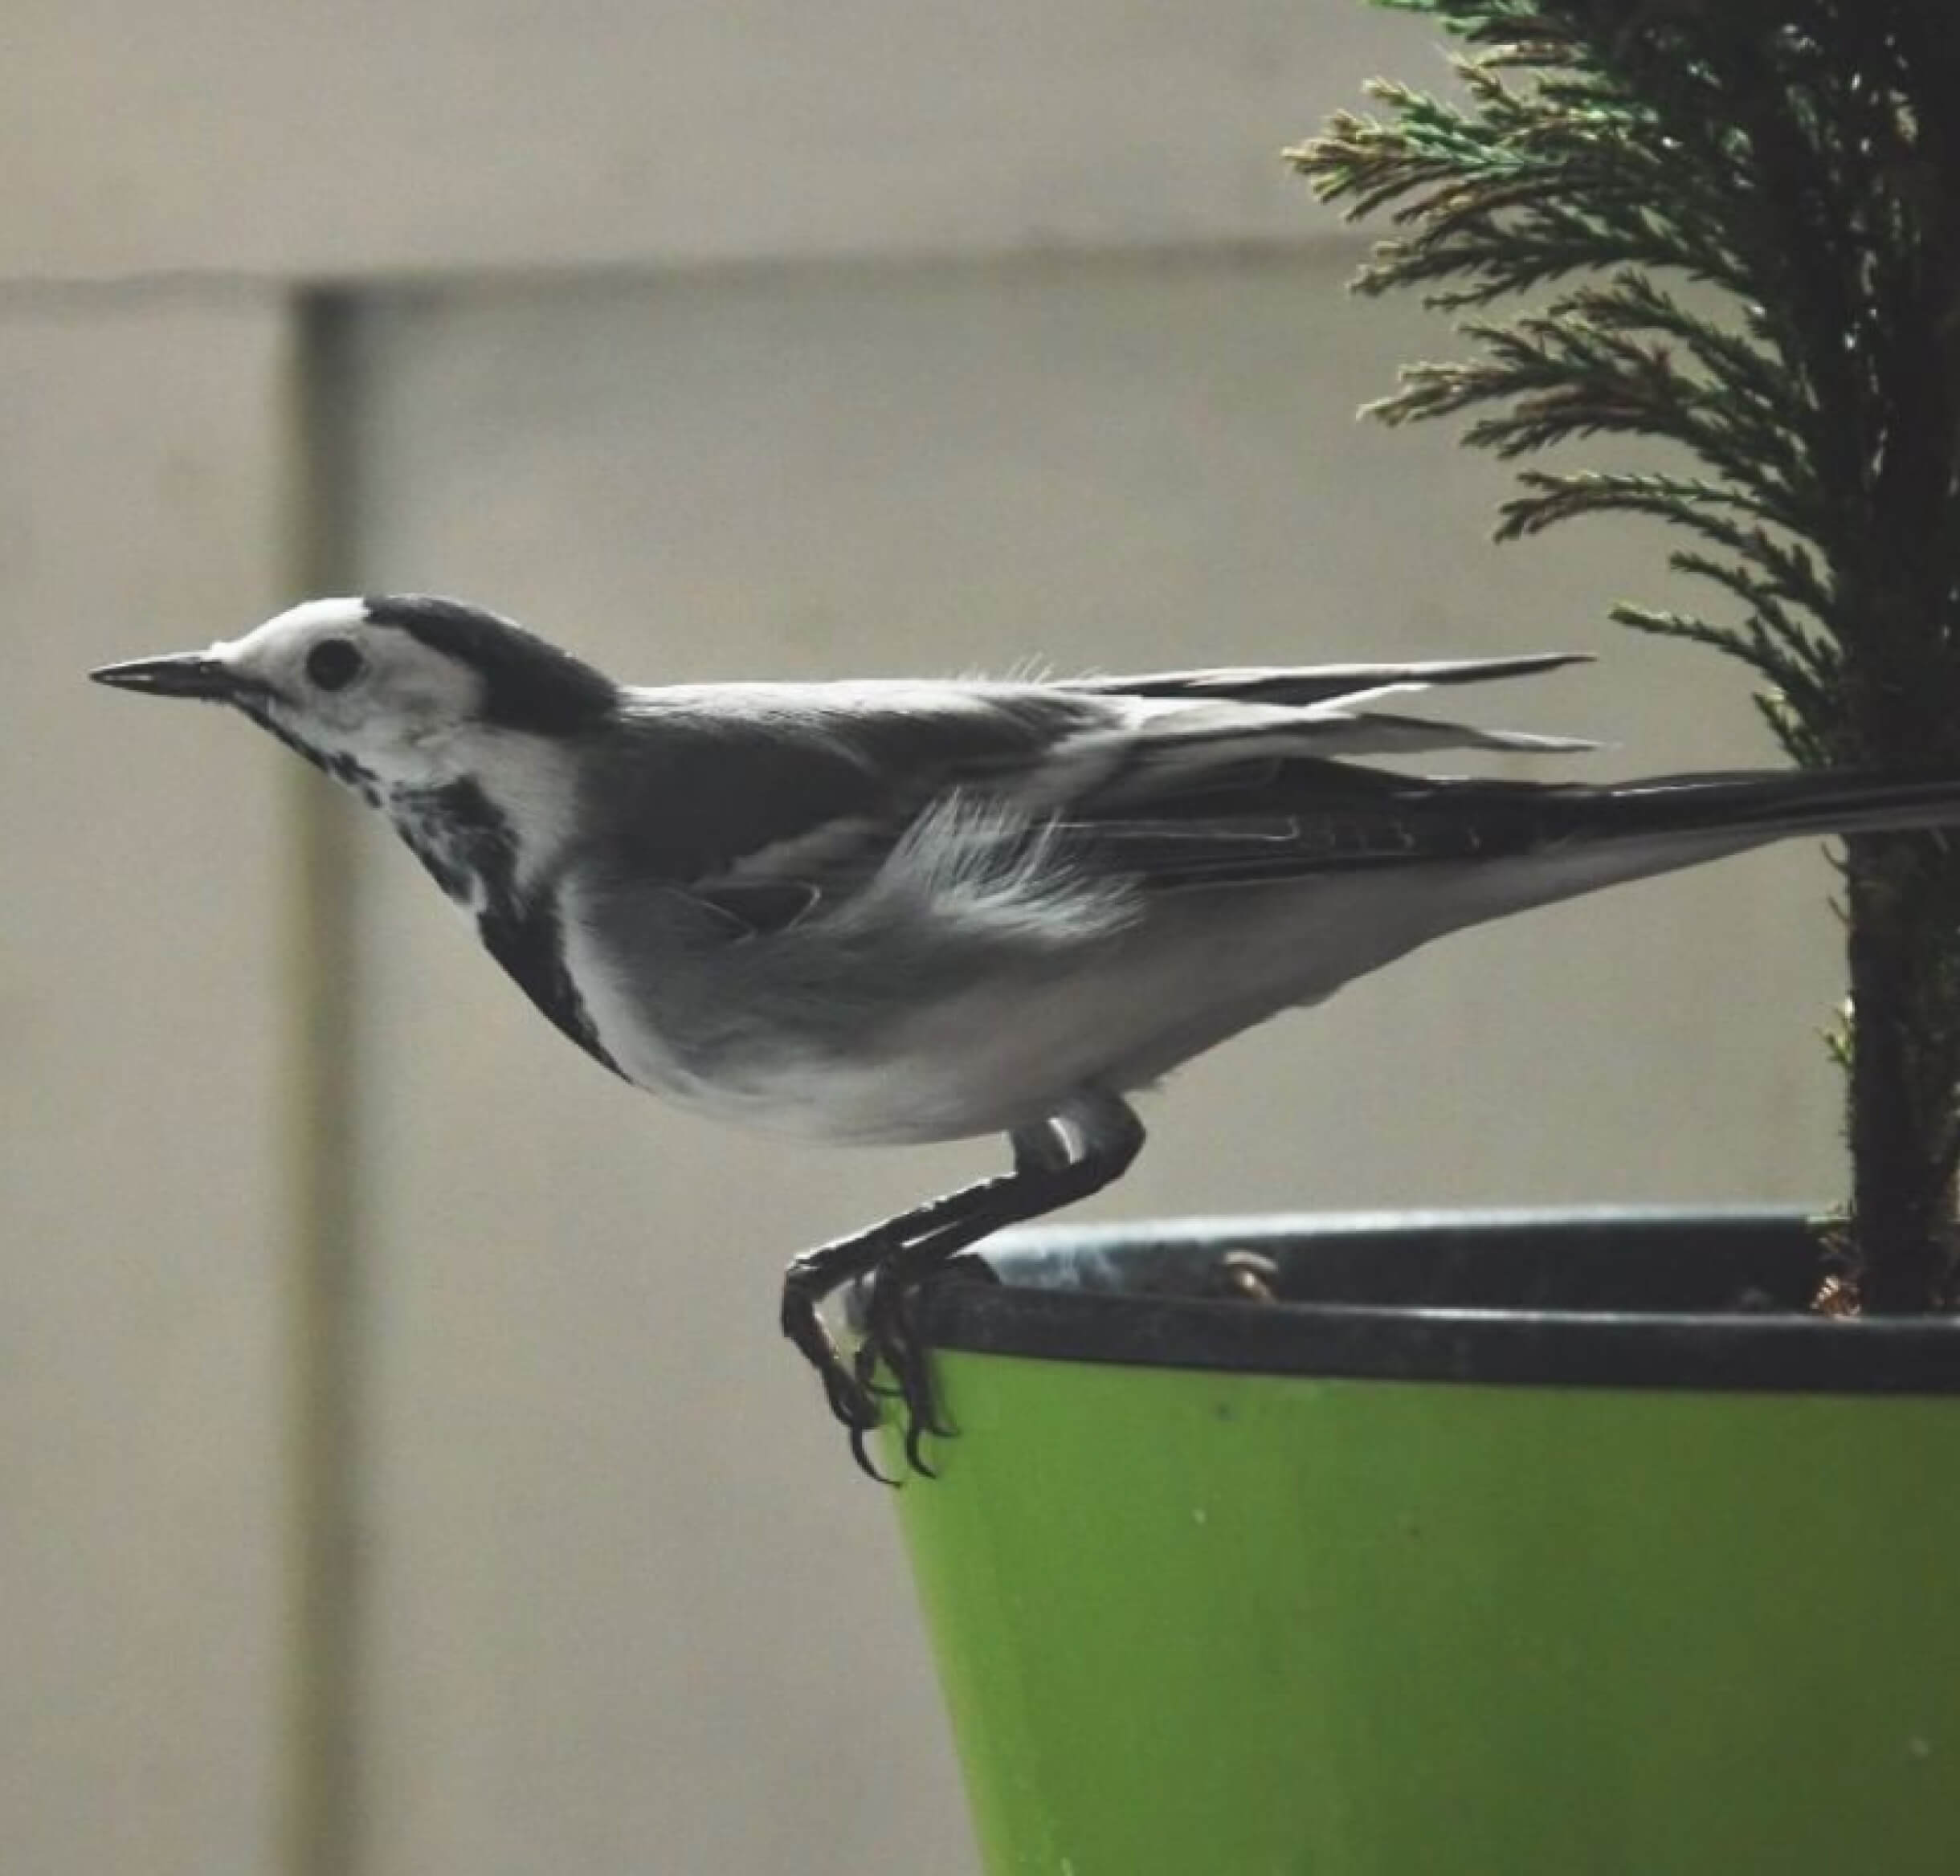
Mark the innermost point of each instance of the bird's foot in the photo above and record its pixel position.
(888, 1363)
(892, 1361)
(853, 1404)
(891, 1348)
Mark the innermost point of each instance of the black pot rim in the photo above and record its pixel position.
(1705, 1300)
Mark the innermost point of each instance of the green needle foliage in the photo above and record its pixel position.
(1735, 228)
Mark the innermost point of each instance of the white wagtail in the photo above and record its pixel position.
(894, 911)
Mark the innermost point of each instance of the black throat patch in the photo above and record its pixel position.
(468, 845)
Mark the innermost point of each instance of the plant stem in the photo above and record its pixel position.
(1901, 1217)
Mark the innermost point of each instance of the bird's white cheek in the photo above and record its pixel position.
(534, 785)
(400, 756)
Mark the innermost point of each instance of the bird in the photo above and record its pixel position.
(893, 910)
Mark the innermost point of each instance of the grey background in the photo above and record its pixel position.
(402, 1474)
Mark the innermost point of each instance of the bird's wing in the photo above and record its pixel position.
(1312, 711)
(766, 801)
(764, 797)
(1315, 818)
(1299, 685)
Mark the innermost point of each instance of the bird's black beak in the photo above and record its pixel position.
(184, 674)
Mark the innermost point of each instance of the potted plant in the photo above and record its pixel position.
(1576, 1542)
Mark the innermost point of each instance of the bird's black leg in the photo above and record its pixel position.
(813, 1276)
(1090, 1143)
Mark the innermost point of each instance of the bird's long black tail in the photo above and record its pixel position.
(1581, 839)
(1772, 805)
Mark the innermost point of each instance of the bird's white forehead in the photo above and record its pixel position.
(406, 680)
(306, 620)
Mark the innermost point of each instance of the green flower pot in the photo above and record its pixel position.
(1498, 1545)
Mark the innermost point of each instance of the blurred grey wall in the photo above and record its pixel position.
(439, 1498)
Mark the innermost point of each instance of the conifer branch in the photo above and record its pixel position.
(1742, 221)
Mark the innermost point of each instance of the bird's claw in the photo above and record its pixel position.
(855, 1404)
(854, 1393)
(892, 1347)
(861, 1458)
(852, 1404)
(890, 1362)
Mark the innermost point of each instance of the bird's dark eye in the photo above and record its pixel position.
(333, 663)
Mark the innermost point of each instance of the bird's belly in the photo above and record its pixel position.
(984, 1060)
(898, 1103)
(733, 1065)
(962, 1067)
(1007, 1050)
(989, 1057)
(898, 1096)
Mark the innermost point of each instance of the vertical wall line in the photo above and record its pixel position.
(320, 1803)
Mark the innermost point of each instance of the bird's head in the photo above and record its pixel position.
(402, 693)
